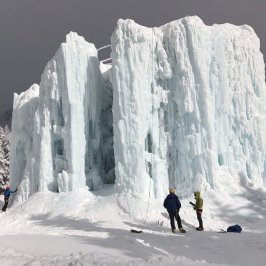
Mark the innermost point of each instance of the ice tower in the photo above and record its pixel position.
(65, 130)
(188, 106)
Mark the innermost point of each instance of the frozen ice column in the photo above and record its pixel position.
(23, 142)
(139, 67)
(56, 127)
(69, 113)
(216, 107)
(188, 106)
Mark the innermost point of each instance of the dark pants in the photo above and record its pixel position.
(5, 205)
(174, 215)
(199, 212)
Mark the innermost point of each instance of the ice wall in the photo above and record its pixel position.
(69, 112)
(182, 105)
(107, 143)
(23, 142)
(66, 123)
(188, 106)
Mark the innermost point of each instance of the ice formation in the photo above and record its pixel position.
(184, 107)
(188, 102)
(63, 132)
(23, 142)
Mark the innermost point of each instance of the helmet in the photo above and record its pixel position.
(7, 187)
(172, 190)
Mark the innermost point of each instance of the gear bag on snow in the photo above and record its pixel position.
(234, 229)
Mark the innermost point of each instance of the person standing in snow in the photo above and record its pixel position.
(198, 207)
(173, 205)
(7, 194)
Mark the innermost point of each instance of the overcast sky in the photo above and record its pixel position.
(32, 30)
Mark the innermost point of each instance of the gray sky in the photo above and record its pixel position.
(32, 30)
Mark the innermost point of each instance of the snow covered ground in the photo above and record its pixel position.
(81, 228)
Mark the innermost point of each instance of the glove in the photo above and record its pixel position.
(192, 203)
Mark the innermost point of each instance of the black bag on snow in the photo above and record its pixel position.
(234, 229)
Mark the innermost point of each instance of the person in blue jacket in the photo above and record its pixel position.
(7, 194)
(173, 205)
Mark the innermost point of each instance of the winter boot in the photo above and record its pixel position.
(181, 230)
(173, 231)
(200, 229)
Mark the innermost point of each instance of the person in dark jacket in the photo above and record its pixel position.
(198, 207)
(7, 194)
(173, 205)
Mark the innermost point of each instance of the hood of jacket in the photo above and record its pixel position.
(197, 195)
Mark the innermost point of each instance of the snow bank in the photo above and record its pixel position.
(56, 228)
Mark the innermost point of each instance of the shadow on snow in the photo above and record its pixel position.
(207, 246)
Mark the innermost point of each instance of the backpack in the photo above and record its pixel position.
(234, 229)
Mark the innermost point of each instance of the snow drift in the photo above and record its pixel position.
(182, 106)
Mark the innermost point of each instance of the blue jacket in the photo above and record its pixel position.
(172, 203)
(8, 192)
